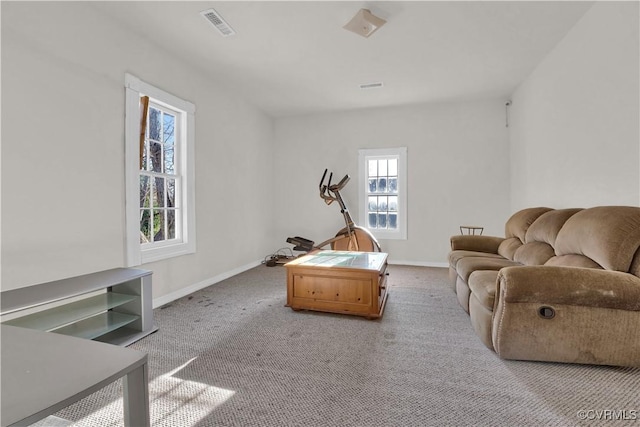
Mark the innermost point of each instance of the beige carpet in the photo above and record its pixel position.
(233, 355)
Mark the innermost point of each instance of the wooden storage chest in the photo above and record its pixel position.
(339, 282)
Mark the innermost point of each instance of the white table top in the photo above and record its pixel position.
(43, 372)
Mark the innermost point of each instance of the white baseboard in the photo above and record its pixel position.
(165, 299)
(419, 263)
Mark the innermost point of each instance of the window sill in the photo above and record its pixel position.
(165, 252)
(388, 235)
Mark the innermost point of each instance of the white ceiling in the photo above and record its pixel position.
(294, 57)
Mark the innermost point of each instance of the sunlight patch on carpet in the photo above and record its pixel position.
(173, 401)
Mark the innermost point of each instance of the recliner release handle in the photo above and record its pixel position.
(546, 312)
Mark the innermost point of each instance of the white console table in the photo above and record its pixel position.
(43, 373)
(121, 314)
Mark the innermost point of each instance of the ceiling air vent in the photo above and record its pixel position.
(217, 21)
(371, 85)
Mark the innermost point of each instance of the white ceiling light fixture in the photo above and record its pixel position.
(218, 22)
(364, 23)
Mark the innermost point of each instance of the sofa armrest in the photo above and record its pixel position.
(569, 286)
(567, 314)
(466, 242)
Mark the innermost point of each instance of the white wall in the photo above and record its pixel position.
(574, 141)
(63, 67)
(458, 171)
(574, 130)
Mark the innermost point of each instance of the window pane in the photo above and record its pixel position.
(382, 220)
(145, 191)
(373, 168)
(171, 193)
(158, 225)
(373, 204)
(158, 193)
(168, 129)
(393, 203)
(154, 124)
(393, 185)
(145, 225)
(155, 152)
(372, 185)
(373, 223)
(382, 185)
(145, 159)
(382, 167)
(382, 204)
(393, 167)
(169, 159)
(393, 221)
(171, 224)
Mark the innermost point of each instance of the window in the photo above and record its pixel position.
(383, 192)
(159, 138)
(159, 178)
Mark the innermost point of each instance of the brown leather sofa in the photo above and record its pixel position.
(563, 285)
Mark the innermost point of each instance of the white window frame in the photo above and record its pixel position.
(137, 253)
(364, 155)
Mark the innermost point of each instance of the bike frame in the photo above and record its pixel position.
(331, 193)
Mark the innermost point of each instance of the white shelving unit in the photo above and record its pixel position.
(120, 314)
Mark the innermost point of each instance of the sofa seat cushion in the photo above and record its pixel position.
(468, 265)
(455, 256)
(483, 284)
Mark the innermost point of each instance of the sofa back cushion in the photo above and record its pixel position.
(609, 235)
(533, 253)
(520, 221)
(635, 264)
(572, 260)
(508, 247)
(548, 225)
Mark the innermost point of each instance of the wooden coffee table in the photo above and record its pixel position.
(339, 282)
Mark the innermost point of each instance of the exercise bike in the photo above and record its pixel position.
(351, 237)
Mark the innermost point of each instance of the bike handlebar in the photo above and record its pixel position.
(339, 186)
(323, 188)
(324, 175)
(326, 189)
